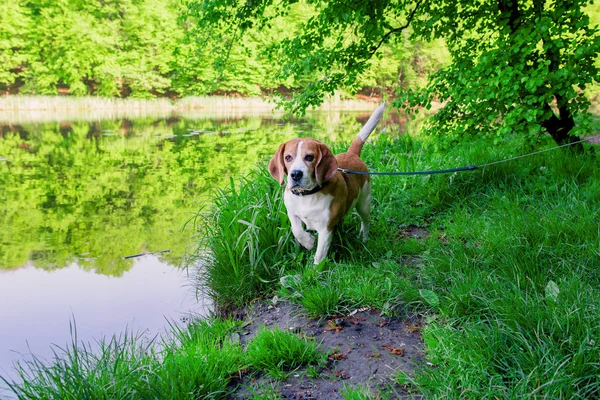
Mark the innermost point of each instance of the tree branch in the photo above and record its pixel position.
(395, 30)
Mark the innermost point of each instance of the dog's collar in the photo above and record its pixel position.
(306, 192)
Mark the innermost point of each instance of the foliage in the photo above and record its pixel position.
(273, 351)
(148, 47)
(526, 58)
(244, 245)
(112, 369)
(98, 47)
(198, 361)
(512, 60)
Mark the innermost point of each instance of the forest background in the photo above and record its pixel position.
(149, 48)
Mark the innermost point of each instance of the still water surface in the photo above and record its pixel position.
(78, 197)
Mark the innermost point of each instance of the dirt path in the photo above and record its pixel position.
(365, 349)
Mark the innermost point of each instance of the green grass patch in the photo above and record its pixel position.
(344, 287)
(111, 369)
(199, 361)
(245, 242)
(274, 351)
(356, 393)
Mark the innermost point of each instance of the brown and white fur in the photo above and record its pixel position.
(317, 193)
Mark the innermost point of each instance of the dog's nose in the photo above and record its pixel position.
(296, 175)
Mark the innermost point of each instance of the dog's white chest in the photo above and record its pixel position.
(313, 210)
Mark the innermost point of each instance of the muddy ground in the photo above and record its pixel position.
(365, 348)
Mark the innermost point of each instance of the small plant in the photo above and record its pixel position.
(274, 351)
(356, 393)
(200, 369)
(313, 372)
(116, 368)
(322, 300)
(264, 393)
(405, 381)
(200, 361)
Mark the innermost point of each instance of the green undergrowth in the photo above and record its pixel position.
(201, 361)
(502, 261)
(275, 351)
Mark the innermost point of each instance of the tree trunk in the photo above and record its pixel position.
(559, 127)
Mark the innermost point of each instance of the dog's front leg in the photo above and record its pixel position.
(325, 238)
(304, 238)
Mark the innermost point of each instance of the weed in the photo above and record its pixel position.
(312, 372)
(274, 351)
(356, 393)
(246, 242)
(110, 369)
(264, 392)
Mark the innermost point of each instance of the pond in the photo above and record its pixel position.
(98, 212)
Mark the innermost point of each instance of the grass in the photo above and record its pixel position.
(199, 363)
(247, 242)
(196, 362)
(356, 393)
(112, 369)
(274, 351)
(508, 275)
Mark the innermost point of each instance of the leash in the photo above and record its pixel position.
(468, 168)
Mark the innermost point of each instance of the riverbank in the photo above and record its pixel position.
(495, 269)
(498, 263)
(16, 108)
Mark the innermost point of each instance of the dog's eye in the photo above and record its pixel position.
(288, 158)
(309, 157)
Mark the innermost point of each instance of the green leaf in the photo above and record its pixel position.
(430, 297)
(552, 291)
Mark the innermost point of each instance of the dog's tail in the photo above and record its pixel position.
(364, 133)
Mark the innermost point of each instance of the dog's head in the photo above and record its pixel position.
(307, 163)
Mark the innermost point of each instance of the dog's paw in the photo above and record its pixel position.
(307, 241)
(364, 232)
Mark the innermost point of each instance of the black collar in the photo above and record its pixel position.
(306, 192)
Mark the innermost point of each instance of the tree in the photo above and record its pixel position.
(517, 65)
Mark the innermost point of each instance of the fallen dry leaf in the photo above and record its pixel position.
(336, 355)
(397, 351)
(334, 327)
(413, 328)
(341, 374)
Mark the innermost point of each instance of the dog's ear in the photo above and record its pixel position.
(327, 165)
(277, 166)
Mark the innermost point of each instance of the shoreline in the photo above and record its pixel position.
(18, 109)
(56, 103)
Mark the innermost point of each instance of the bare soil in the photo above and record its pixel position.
(364, 347)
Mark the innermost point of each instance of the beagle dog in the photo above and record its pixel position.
(317, 192)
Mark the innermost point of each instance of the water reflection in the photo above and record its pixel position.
(38, 305)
